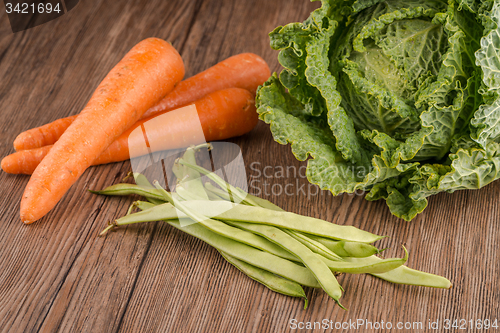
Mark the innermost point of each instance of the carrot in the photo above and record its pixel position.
(222, 115)
(24, 161)
(245, 70)
(140, 80)
(44, 135)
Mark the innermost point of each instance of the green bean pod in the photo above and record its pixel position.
(131, 208)
(213, 197)
(144, 205)
(366, 265)
(128, 189)
(141, 180)
(252, 214)
(233, 191)
(311, 260)
(225, 195)
(270, 280)
(265, 203)
(155, 201)
(347, 249)
(409, 276)
(167, 212)
(281, 219)
(163, 212)
(183, 191)
(370, 265)
(267, 261)
(188, 178)
(279, 249)
(228, 231)
(314, 246)
(222, 194)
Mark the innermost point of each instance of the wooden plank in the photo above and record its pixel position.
(52, 270)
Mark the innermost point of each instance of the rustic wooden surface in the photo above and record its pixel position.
(59, 276)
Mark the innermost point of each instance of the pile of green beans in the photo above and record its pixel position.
(282, 250)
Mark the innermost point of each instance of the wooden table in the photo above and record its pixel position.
(58, 275)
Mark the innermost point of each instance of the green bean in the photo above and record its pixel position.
(188, 178)
(251, 214)
(141, 180)
(251, 200)
(128, 189)
(347, 249)
(366, 265)
(133, 218)
(144, 205)
(259, 238)
(265, 203)
(131, 208)
(319, 269)
(282, 219)
(163, 212)
(409, 276)
(270, 280)
(181, 171)
(141, 205)
(359, 250)
(155, 201)
(245, 198)
(267, 261)
(233, 191)
(187, 194)
(220, 228)
(314, 246)
(225, 195)
(213, 196)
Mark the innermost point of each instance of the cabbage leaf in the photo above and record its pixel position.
(400, 99)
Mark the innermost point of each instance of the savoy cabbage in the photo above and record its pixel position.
(399, 98)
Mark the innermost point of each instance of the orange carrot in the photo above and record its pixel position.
(245, 70)
(24, 161)
(147, 73)
(222, 114)
(44, 135)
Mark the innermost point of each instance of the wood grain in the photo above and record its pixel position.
(59, 276)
